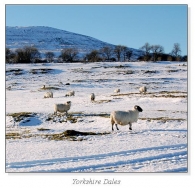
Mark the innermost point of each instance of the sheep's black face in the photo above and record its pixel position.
(138, 108)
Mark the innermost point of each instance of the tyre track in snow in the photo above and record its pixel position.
(103, 162)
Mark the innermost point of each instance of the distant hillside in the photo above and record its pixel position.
(51, 39)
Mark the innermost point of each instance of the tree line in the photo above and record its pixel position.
(156, 53)
(29, 54)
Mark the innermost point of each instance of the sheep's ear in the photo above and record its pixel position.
(138, 108)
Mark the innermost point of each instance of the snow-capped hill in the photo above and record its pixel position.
(51, 39)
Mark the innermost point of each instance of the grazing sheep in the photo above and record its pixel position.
(125, 117)
(62, 107)
(70, 93)
(92, 96)
(143, 89)
(117, 90)
(9, 88)
(49, 94)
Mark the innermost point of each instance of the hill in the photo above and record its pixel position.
(51, 39)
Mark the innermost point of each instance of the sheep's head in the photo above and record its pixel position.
(68, 102)
(138, 108)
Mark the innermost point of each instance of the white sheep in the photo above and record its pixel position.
(117, 90)
(143, 89)
(63, 107)
(48, 94)
(125, 117)
(92, 96)
(70, 93)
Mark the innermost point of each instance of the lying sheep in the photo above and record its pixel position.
(62, 108)
(70, 93)
(92, 96)
(143, 89)
(49, 94)
(117, 90)
(125, 117)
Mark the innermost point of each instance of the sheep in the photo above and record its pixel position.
(63, 107)
(49, 94)
(43, 87)
(92, 96)
(143, 89)
(125, 117)
(70, 93)
(9, 88)
(117, 90)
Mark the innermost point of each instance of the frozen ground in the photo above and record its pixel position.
(157, 143)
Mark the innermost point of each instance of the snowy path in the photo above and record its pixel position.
(133, 160)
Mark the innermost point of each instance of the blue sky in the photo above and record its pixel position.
(129, 25)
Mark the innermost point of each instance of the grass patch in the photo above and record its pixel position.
(165, 94)
(21, 115)
(40, 71)
(102, 101)
(169, 96)
(13, 135)
(150, 72)
(72, 135)
(164, 119)
(43, 129)
(49, 88)
(72, 119)
(15, 71)
(105, 115)
(122, 94)
(169, 71)
(64, 118)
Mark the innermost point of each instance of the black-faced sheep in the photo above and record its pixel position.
(48, 94)
(92, 96)
(143, 89)
(62, 107)
(125, 117)
(70, 93)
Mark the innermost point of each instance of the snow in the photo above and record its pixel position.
(157, 143)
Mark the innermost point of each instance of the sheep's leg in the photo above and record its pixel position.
(130, 126)
(112, 123)
(116, 127)
(112, 127)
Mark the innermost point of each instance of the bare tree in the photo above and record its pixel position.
(27, 54)
(49, 56)
(9, 56)
(146, 48)
(106, 52)
(129, 54)
(176, 51)
(69, 54)
(157, 50)
(93, 56)
(31, 53)
(118, 51)
(124, 51)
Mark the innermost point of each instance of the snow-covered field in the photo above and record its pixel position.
(157, 143)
